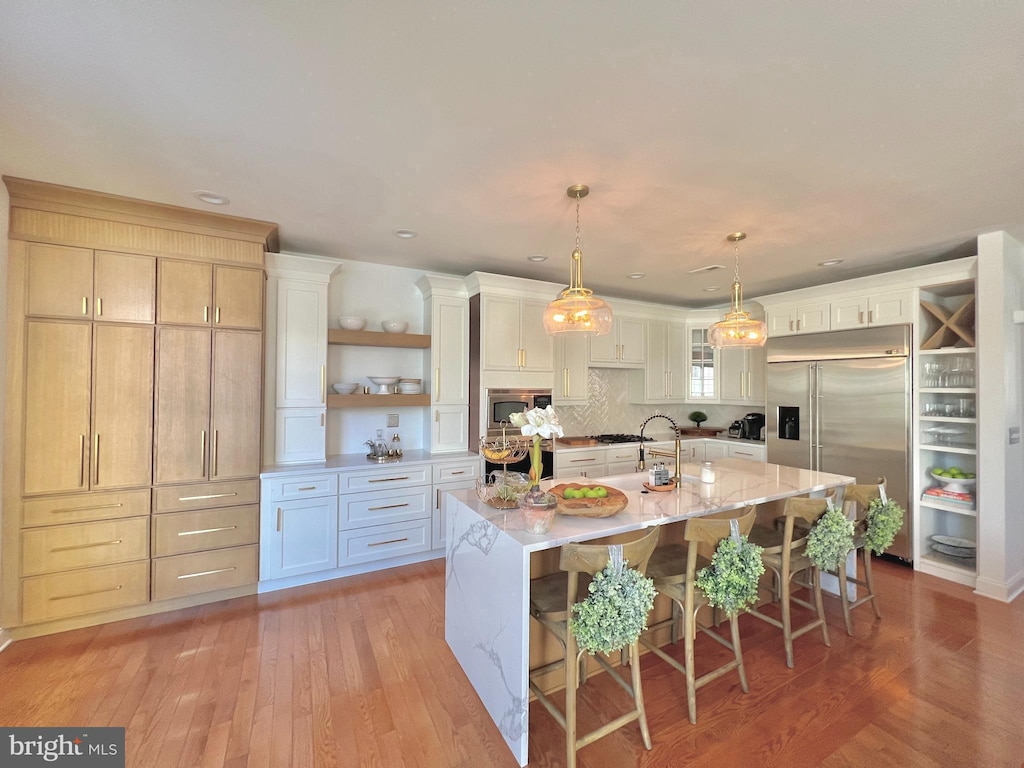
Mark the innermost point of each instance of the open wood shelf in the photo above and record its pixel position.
(375, 401)
(378, 339)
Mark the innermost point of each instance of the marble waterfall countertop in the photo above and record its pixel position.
(487, 574)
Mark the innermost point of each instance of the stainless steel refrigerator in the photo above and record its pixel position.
(840, 402)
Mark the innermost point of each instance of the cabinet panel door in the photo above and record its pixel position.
(501, 343)
(182, 419)
(813, 317)
(57, 365)
(571, 368)
(732, 373)
(184, 291)
(605, 349)
(449, 336)
(236, 420)
(301, 435)
(306, 537)
(782, 321)
(632, 349)
(449, 430)
(301, 344)
(125, 287)
(657, 372)
(537, 347)
(122, 412)
(891, 308)
(678, 368)
(59, 281)
(849, 313)
(238, 298)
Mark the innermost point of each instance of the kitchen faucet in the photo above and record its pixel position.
(679, 448)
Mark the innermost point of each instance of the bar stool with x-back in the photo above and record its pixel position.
(856, 500)
(551, 601)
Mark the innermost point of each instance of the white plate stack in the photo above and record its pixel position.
(410, 386)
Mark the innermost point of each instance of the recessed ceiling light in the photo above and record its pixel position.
(405, 234)
(710, 288)
(537, 257)
(830, 262)
(636, 275)
(211, 197)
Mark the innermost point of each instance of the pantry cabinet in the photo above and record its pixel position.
(198, 293)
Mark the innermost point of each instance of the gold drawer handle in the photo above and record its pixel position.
(390, 541)
(65, 510)
(577, 461)
(207, 496)
(86, 546)
(86, 594)
(307, 488)
(460, 472)
(388, 506)
(206, 573)
(389, 479)
(208, 530)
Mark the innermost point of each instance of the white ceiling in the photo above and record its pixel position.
(887, 134)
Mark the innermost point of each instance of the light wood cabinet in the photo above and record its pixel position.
(197, 293)
(89, 390)
(207, 421)
(83, 284)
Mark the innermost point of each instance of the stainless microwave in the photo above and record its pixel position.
(502, 403)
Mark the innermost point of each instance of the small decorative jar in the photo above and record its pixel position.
(538, 510)
(707, 472)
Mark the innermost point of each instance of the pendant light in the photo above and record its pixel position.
(577, 310)
(737, 329)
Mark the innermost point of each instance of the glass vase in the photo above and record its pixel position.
(538, 510)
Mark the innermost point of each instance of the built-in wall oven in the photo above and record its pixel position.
(501, 404)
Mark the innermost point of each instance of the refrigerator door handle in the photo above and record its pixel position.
(818, 374)
(812, 413)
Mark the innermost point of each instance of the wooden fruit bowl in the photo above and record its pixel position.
(611, 504)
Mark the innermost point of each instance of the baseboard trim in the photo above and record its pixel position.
(5, 639)
(1004, 592)
(273, 585)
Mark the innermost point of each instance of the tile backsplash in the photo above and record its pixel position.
(609, 411)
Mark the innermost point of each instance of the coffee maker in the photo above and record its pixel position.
(751, 426)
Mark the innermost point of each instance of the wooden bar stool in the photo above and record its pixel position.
(551, 601)
(674, 571)
(856, 500)
(784, 555)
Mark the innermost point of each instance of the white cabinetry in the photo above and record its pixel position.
(715, 449)
(570, 385)
(665, 376)
(700, 357)
(513, 333)
(298, 527)
(839, 313)
(455, 476)
(588, 462)
(746, 450)
(741, 374)
(446, 320)
(623, 347)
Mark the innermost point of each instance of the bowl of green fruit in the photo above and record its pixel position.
(954, 479)
(588, 500)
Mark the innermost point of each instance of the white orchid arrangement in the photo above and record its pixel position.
(538, 423)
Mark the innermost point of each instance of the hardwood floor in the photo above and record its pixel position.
(356, 673)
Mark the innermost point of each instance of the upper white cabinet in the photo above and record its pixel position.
(570, 384)
(446, 319)
(702, 384)
(741, 374)
(513, 333)
(665, 376)
(854, 311)
(624, 347)
(301, 344)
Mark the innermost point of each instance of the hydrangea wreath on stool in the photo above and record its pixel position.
(615, 612)
(830, 540)
(730, 582)
(885, 518)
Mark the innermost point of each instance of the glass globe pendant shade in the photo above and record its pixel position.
(737, 329)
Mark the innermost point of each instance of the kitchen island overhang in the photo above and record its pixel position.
(487, 570)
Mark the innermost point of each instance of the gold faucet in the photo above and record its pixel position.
(677, 455)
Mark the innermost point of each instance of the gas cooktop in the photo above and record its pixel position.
(620, 438)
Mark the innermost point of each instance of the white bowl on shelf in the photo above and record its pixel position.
(352, 323)
(394, 326)
(384, 383)
(955, 484)
(344, 388)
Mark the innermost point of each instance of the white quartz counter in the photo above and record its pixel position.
(352, 461)
(487, 577)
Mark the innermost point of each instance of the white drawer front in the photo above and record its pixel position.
(462, 470)
(394, 505)
(395, 476)
(579, 459)
(751, 453)
(304, 486)
(365, 545)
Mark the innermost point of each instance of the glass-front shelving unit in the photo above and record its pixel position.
(946, 434)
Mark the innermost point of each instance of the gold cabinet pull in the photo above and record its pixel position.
(322, 420)
(85, 305)
(206, 573)
(323, 384)
(81, 461)
(437, 385)
(207, 496)
(389, 479)
(216, 316)
(459, 472)
(87, 546)
(206, 314)
(215, 435)
(86, 594)
(389, 541)
(577, 461)
(99, 307)
(202, 453)
(437, 417)
(207, 530)
(307, 488)
(96, 457)
(437, 504)
(387, 506)
(280, 519)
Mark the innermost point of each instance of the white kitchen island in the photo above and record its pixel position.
(487, 577)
